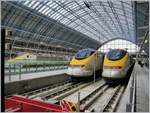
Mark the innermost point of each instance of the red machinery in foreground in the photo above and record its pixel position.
(23, 104)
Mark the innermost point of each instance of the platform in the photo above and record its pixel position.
(33, 81)
(142, 91)
(34, 75)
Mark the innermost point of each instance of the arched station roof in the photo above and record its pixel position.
(76, 24)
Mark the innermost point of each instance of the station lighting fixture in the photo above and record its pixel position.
(41, 42)
(145, 41)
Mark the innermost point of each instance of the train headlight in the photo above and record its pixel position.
(112, 67)
(117, 67)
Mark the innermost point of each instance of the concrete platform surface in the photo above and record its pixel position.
(142, 91)
(34, 75)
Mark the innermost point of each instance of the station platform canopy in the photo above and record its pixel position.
(77, 24)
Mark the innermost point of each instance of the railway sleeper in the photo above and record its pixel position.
(112, 102)
(45, 88)
(63, 90)
(117, 100)
(59, 97)
(91, 94)
(50, 91)
(91, 100)
(58, 92)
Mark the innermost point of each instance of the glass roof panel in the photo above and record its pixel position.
(42, 9)
(26, 2)
(35, 5)
(119, 44)
(107, 19)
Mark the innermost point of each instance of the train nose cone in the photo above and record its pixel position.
(115, 73)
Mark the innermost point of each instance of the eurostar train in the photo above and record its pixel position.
(117, 62)
(18, 56)
(85, 62)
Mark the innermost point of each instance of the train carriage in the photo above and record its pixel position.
(117, 62)
(84, 62)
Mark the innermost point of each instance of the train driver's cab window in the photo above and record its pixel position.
(83, 54)
(116, 54)
(8, 55)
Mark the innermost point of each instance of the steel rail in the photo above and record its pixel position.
(66, 94)
(88, 100)
(61, 91)
(112, 102)
(51, 91)
(27, 94)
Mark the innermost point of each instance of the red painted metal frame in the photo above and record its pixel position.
(22, 104)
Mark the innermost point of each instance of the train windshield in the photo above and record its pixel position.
(116, 54)
(7, 55)
(83, 54)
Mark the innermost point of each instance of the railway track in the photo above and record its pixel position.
(57, 91)
(109, 96)
(113, 101)
(35, 92)
(85, 92)
(88, 100)
(94, 96)
(62, 90)
(107, 100)
(98, 96)
(68, 91)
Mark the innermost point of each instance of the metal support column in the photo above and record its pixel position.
(20, 72)
(9, 71)
(78, 106)
(94, 68)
